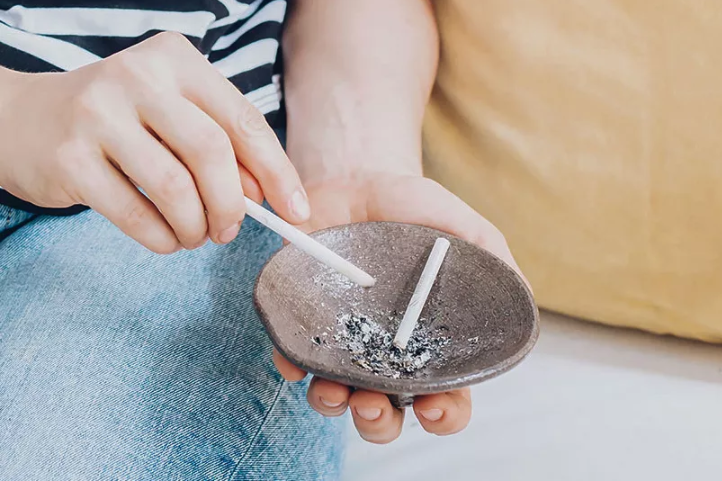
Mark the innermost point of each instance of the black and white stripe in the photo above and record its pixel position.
(240, 38)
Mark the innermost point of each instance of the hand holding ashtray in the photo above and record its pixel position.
(443, 313)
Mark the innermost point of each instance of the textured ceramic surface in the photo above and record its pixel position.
(483, 304)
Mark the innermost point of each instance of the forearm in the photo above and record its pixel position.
(358, 76)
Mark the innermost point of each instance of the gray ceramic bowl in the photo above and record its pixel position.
(484, 306)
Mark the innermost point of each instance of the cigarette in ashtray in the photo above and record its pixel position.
(421, 293)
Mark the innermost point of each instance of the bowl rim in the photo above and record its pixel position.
(370, 381)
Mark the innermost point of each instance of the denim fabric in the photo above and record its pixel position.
(12, 219)
(118, 364)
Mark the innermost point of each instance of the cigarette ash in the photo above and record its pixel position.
(333, 281)
(371, 346)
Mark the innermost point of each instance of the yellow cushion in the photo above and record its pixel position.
(590, 133)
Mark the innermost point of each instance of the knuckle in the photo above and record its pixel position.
(213, 144)
(134, 215)
(71, 155)
(138, 73)
(126, 61)
(128, 64)
(211, 150)
(228, 214)
(171, 41)
(251, 121)
(88, 104)
(174, 183)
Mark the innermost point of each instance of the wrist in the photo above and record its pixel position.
(342, 147)
(345, 132)
(319, 165)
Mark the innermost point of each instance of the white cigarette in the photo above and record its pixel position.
(421, 293)
(308, 245)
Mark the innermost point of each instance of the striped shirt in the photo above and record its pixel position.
(240, 38)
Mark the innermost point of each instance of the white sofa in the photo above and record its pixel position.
(590, 403)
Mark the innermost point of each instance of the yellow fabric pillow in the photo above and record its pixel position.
(590, 133)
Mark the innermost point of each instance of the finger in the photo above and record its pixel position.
(104, 189)
(204, 148)
(165, 180)
(327, 397)
(286, 369)
(254, 142)
(375, 419)
(251, 187)
(444, 414)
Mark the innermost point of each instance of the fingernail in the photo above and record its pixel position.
(330, 404)
(432, 414)
(369, 414)
(229, 234)
(299, 205)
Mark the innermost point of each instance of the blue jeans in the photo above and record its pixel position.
(118, 364)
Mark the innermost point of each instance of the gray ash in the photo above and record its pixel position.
(371, 346)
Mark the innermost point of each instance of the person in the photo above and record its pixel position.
(129, 346)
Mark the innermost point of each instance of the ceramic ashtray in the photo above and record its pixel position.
(479, 321)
